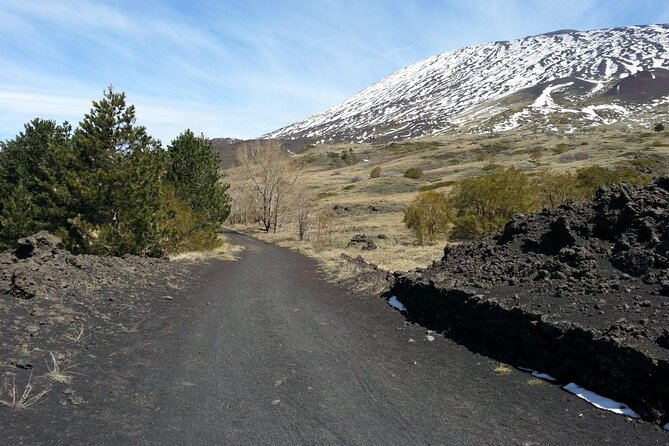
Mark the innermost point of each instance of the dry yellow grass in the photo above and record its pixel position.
(22, 399)
(226, 251)
(56, 373)
(502, 370)
(534, 382)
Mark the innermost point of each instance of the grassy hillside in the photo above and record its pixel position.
(339, 175)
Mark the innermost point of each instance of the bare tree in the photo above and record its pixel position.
(304, 209)
(324, 221)
(269, 175)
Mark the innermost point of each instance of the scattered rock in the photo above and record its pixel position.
(41, 245)
(366, 242)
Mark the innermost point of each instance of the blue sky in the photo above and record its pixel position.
(242, 68)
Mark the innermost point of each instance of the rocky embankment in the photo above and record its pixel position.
(59, 311)
(580, 292)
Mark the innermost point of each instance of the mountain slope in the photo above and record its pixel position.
(564, 79)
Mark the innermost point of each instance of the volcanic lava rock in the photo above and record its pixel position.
(587, 282)
(42, 245)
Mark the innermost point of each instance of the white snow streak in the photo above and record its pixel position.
(395, 303)
(600, 401)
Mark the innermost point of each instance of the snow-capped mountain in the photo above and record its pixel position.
(561, 80)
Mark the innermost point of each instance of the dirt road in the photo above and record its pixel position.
(264, 351)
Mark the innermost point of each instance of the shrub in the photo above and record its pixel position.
(471, 227)
(590, 179)
(659, 127)
(536, 154)
(376, 172)
(324, 224)
(414, 173)
(429, 216)
(184, 229)
(484, 204)
(502, 193)
(557, 188)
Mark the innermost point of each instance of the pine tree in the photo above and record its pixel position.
(121, 169)
(34, 167)
(194, 172)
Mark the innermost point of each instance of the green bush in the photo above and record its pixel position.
(484, 204)
(502, 193)
(590, 179)
(429, 216)
(471, 227)
(659, 127)
(557, 188)
(376, 172)
(414, 173)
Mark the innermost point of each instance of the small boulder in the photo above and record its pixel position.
(42, 245)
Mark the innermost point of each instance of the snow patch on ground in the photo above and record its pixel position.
(544, 376)
(395, 303)
(600, 402)
(540, 375)
(545, 100)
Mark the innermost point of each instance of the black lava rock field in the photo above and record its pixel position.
(580, 292)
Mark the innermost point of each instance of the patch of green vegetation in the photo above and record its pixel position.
(649, 164)
(590, 179)
(429, 216)
(348, 187)
(414, 173)
(437, 185)
(503, 370)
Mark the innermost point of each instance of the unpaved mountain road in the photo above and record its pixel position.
(263, 351)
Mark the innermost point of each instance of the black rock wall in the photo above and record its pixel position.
(565, 350)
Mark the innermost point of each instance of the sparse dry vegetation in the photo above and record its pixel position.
(502, 370)
(376, 205)
(11, 396)
(56, 373)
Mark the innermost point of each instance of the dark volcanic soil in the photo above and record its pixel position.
(581, 292)
(64, 312)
